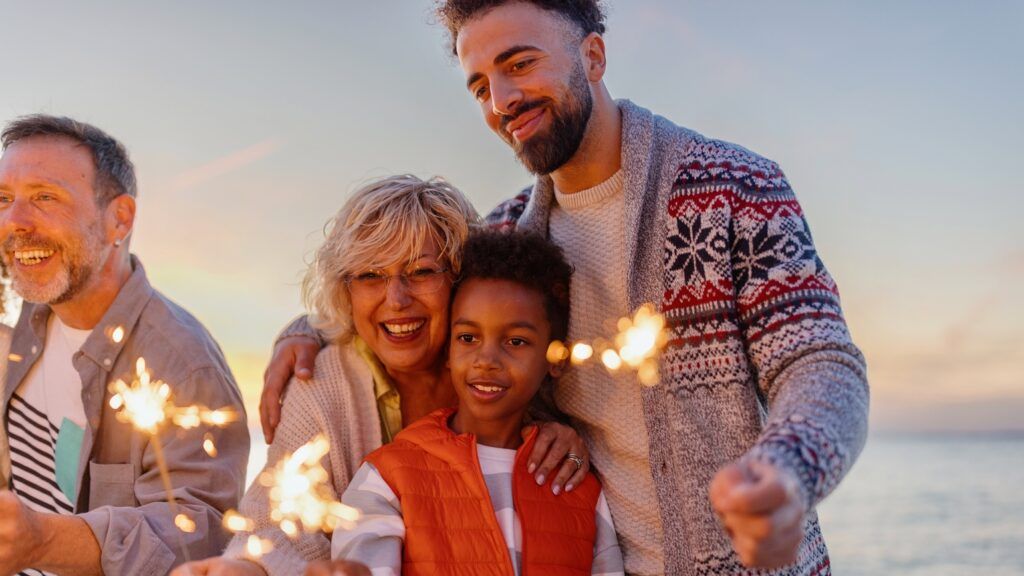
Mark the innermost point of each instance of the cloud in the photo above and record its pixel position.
(225, 164)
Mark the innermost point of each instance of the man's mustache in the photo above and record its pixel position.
(519, 111)
(18, 242)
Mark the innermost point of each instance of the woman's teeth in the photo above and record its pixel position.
(403, 329)
(32, 257)
(488, 389)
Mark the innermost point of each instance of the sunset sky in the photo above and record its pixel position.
(898, 124)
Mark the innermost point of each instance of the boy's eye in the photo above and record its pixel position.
(517, 342)
(465, 338)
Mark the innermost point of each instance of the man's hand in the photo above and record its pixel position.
(337, 568)
(292, 355)
(760, 507)
(21, 536)
(554, 443)
(219, 567)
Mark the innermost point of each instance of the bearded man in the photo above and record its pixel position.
(85, 495)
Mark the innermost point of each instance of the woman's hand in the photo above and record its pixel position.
(293, 355)
(559, 447)
(219, 567)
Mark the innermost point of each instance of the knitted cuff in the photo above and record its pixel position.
(797, 446)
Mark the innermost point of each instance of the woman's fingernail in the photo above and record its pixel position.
(569, 487)
(556, 489)
(540, 480)
(531, 468)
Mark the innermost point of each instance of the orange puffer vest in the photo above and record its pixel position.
(450, 525)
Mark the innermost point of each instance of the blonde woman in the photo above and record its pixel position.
(378, 290)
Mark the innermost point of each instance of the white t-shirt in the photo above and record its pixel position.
(46, 424)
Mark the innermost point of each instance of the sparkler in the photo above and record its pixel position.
(300, 498)
(146, 405)
(637, 345)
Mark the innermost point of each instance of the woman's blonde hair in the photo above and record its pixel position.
(384, 222)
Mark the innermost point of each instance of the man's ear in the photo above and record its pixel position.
(593, 54)
(120, 218)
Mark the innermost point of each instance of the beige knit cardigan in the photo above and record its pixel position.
(338, 402)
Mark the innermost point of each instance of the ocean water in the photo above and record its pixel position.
(916, 506)
(935, 505)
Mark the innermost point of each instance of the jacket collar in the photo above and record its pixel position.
(102, 347)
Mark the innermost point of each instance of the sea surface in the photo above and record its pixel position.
(935, 505)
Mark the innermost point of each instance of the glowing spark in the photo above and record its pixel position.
(642, 337)
(184, 523)
(611, 360)
(581, 352)
(556, 352)
(256, 546)
(299, 492)
(117, 335)
(648, 373)
(209, 446)
(235, 522)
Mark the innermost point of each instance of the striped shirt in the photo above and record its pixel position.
(376, 539)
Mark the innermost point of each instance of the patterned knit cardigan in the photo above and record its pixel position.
(760, 364)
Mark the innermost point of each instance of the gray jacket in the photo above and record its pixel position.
(120, 492)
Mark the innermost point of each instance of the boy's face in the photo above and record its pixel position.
(499, 341)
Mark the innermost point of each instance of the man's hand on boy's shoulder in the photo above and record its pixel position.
(337, 568)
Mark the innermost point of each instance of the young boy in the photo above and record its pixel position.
(451, 494)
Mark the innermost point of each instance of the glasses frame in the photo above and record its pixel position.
(410, 286)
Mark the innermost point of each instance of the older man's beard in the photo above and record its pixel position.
(546, 152)
(80, 257)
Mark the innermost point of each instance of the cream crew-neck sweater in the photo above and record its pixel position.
(607, 409)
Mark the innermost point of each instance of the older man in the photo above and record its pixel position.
(86, 496)
(762, 404)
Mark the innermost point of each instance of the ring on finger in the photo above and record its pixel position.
(575, 459)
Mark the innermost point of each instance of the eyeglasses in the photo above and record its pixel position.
(422, 280)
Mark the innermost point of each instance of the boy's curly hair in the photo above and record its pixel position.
(527, 259)
(588, 15)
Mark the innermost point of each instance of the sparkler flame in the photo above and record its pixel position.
(299, 493)
(146, 404)
(637, 345)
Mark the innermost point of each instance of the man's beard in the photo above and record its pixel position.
(546, 152)
(79, 259)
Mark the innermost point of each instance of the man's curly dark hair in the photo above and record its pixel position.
(587, 15)
(526, 258)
